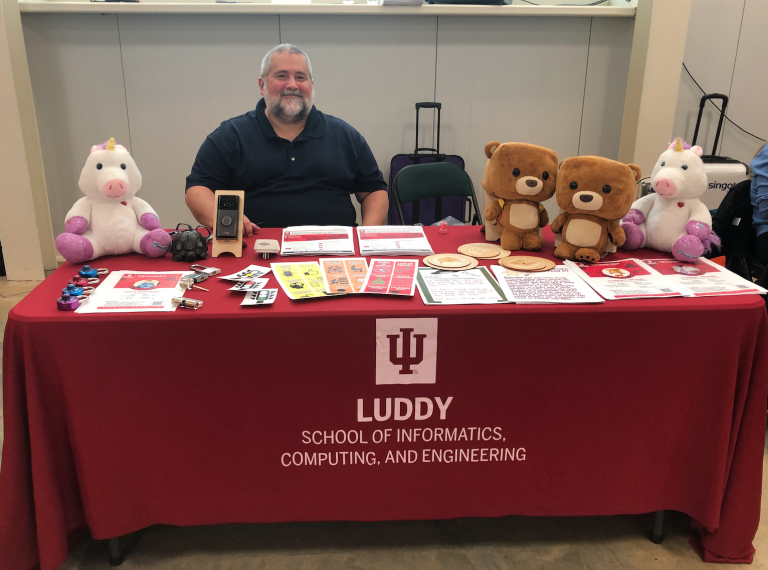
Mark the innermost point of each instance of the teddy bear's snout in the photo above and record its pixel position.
(531, 183)
(114, 188)
(585, 198)
(528, 186)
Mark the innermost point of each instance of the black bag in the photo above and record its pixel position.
(732, 222)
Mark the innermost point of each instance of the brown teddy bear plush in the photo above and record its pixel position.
(595, 193)
(519, 176)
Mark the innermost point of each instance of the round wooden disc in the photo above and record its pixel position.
(480, 250)
(472, 265)
(448, 260)
(526, 263)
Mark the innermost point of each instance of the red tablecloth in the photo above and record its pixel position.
(119, 422)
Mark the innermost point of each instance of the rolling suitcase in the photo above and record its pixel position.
(723, 173)
(424, 211)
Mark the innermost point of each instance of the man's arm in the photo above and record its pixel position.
(202, 203)
(373, 206)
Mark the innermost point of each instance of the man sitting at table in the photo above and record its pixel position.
(297, 165)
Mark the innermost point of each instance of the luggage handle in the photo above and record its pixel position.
(704, 99)
(428, 105)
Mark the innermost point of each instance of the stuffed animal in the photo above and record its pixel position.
(594, 194)
(109, 219)
(519, 177)
(673, 219)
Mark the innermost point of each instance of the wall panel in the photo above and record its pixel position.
(511, 79)
(184, 75)
(750, 85)
(610, 45)
(77, 82)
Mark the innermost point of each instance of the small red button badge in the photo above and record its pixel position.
(125, 204)
(679, 204)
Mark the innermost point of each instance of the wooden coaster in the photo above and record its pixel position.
(450, 262)
(526, 263)
(480, 250)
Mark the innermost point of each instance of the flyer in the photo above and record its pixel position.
(702, 278)
(393, 240)
(471, 287)
(260, 297)
(344, 274)
(625, 279)
(300, 280)
(391, 277)
(558, 285)
(247, 274)
(318, 240)
(135, 292)
(251, 285)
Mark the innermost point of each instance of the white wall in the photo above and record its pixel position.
(160, 83)
(726, 53)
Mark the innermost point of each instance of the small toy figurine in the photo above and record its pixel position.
(518, 178)
(594, 194)
(673, 218)
(109, 219)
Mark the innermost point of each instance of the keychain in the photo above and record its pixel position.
(67, 302)
(186, 303)
(83, 281)
(77, 291)
(88, 271)
(209, 271)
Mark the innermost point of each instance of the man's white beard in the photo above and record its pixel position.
(292, 110)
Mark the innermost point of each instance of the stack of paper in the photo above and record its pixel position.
(318, 240)
(393, 240)
(702, 278)
(558, 285)
(626, 279)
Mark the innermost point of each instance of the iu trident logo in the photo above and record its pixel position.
(405, 360)
(406, 351)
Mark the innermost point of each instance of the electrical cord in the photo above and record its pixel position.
(718, 108)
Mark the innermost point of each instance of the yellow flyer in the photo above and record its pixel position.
(300, 280)
(344, 275)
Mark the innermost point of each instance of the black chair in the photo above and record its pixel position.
(433, 180)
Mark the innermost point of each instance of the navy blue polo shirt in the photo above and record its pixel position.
(304, 182)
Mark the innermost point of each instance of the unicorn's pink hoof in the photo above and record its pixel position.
(75, 248)
(634, 236)
(687, 248)
(155, 243)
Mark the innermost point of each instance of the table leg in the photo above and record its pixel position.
(657, 534)
(115, 556)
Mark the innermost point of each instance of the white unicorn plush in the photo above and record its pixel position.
(109, 219)
(673, 219)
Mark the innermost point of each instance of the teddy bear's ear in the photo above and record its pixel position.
(491, 147)
(560, 166)
(636, 171)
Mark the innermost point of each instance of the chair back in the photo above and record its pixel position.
(432, 180)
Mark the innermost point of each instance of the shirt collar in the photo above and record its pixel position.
(314, 127)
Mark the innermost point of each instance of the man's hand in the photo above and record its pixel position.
(373, 207)
(249, 228)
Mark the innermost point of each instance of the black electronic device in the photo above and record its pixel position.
(227, 216)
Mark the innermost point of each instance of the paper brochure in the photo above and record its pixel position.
(558, 285)
(318, 240)
(393, 240)
(625, 279)
(135, 292)
(300, 280)
(391, 277)
(344, 275)
(471, 287)
(703, 278)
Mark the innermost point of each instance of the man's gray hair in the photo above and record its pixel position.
(266, 63)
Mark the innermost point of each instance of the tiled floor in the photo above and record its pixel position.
(598, 543)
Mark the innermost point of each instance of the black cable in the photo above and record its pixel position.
(718, 108)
